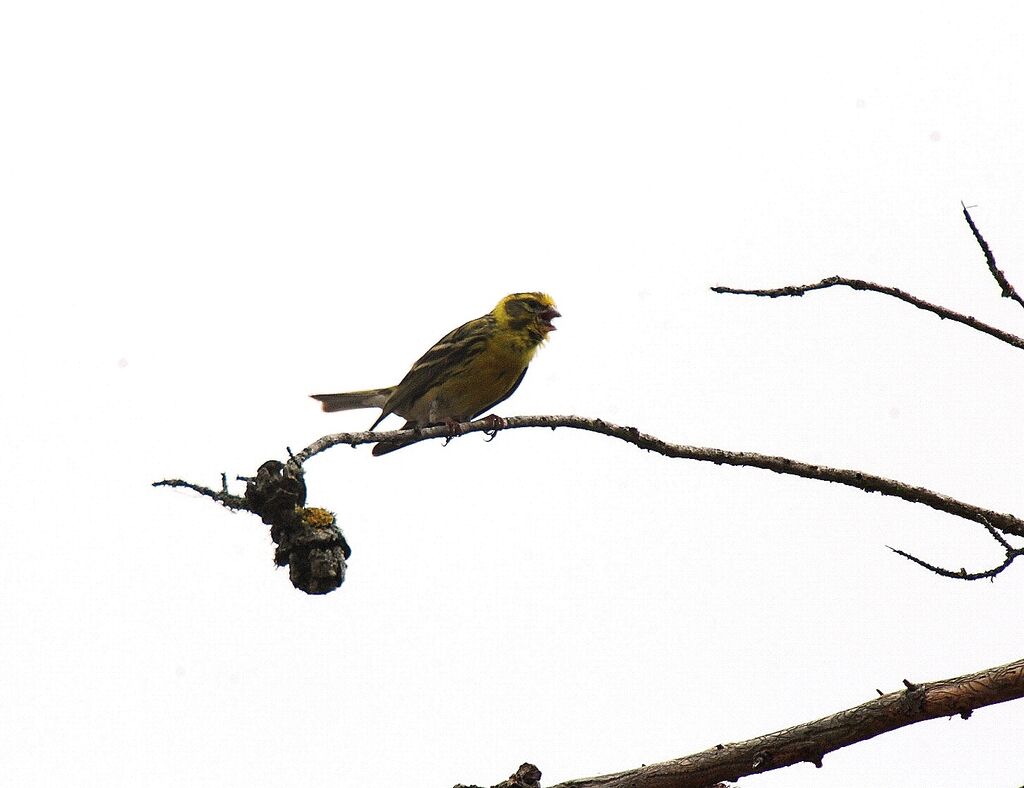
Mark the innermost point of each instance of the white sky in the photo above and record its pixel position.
(210, 210)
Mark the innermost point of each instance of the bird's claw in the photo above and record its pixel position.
(494, 424)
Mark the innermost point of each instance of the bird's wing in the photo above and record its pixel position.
(447, 358)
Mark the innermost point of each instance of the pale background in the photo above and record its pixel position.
(210, 210)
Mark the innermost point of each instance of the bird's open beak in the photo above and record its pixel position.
(545, 319)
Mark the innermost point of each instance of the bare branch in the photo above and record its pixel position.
(860, 284)
(1008, 290)
(852, 478)
(811, 741)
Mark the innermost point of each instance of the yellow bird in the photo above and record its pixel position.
(466, 373)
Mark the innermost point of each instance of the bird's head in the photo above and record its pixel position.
(528, 312)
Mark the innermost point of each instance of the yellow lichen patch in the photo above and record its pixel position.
(315, 517)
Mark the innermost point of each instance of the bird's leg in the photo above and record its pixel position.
(494, 423)
(454, 429)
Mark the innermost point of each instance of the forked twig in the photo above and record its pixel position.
(1012, 554)
(235, 502)
(945, 313)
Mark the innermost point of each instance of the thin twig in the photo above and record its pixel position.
(811, 741)
(223, 497)
(860, 284)
(997, 536)
(1000, 277)
(962, 574)
(852, 478)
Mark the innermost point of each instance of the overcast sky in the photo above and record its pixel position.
(211, 210)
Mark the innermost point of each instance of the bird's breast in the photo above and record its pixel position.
(486, 379)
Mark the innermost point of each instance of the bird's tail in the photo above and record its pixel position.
(354, 400)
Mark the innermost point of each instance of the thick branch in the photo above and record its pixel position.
(810, 741)
(862, 481)
(860, 284)
(998, 275)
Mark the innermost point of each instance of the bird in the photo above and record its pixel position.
(465, 374)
